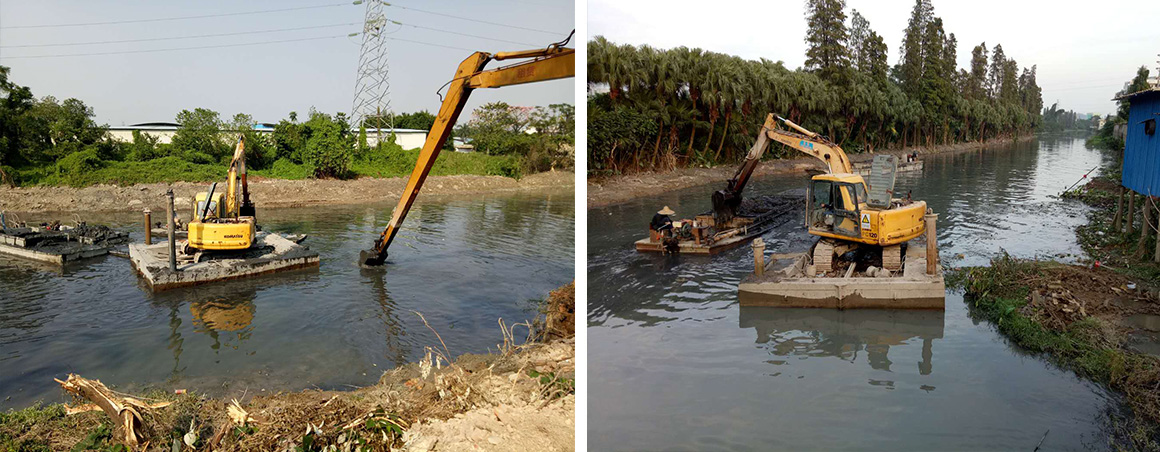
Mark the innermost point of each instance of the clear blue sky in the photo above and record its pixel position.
(266, 81)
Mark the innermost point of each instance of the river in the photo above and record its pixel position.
(676, 364)
(462, 263)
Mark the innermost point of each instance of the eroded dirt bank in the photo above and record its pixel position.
(270, 192)
(607, 191)
(520, 398)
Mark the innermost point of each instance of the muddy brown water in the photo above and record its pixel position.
(676, 364)
(462, 263)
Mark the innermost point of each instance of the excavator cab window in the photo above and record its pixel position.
(833, 207)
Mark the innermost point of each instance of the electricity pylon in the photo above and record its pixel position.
(372, 88)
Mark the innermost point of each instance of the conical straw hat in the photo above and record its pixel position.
(667, 211)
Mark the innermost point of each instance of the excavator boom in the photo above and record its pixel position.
(813, 144)
(553, 62)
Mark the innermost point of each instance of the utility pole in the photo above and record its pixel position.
(372, 87)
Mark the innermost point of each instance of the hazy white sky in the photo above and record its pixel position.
(1084, 50)
(266, 81)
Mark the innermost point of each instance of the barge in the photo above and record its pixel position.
(59, 246)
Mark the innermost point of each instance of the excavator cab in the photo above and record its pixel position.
(834, 205)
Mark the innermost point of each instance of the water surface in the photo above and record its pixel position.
(462, 263)
(676, 364)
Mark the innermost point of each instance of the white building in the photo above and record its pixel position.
(164, 131)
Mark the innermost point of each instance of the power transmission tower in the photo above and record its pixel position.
(372, 88)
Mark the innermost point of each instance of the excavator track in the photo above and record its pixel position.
(823, 256)
(892, 257)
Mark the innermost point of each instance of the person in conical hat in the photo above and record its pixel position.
(661, 221)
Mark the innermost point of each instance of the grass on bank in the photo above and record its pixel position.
(1090, 346)
(82, 171)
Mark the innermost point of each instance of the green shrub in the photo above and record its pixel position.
(199, 158)
(286, 169)
(78, 164)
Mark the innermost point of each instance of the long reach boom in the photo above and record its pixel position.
(553, 62)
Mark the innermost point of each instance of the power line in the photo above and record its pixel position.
(174, 49)
(462, 34)
(554, 33)
(178, 37)
(431, 44)
(205, 16)
(180, 48)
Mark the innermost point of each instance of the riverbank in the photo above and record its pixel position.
(268, 193)
(1093, 321)
(520, 398)
(1100, 319)
(606, 191)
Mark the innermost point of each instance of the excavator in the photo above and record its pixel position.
(220, 222)
(841, 208)
(551, 63)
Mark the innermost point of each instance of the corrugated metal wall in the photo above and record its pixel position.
(1142, 151)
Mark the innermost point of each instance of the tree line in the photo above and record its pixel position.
(691, 107)
(47, 140)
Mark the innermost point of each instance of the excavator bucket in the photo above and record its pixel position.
(371, 258)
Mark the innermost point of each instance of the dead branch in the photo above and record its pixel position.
(125, 417)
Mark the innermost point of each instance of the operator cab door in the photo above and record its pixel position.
(833, 208)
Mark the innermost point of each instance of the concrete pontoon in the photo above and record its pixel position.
(270, 253)
(59, 247)
(795, 285)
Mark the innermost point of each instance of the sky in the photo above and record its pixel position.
(266, 81)
(1084, 51)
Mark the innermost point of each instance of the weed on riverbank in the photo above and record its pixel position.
(1079, 317)
(1116, 250)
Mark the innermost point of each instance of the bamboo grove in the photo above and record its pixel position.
(657, 109)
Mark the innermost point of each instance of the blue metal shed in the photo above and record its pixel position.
(1141, 166)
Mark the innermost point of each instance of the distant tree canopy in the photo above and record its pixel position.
(34, 131)
(703, 107)
(542, 136)
(420, 120)
(1056, 119)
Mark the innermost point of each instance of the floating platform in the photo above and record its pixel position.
(756, 218)
(864, 168)
(60, 247)
(794, 286)
(270, 253)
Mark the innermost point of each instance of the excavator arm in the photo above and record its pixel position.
(553, 62)
(728, 200)
(236, 174)
(813, 144)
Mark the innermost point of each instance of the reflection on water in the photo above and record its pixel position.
(462, 263)
(851, 335)
(676, 364)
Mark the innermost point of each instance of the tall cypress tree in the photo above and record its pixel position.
(867, 49)
(995, 73)
(977, 84)
(911, 62)
(826, 38)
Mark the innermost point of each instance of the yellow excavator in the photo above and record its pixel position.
(841, 208)
(220, 222)
(551, 63)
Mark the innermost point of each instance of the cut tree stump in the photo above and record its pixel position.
(122, 410)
